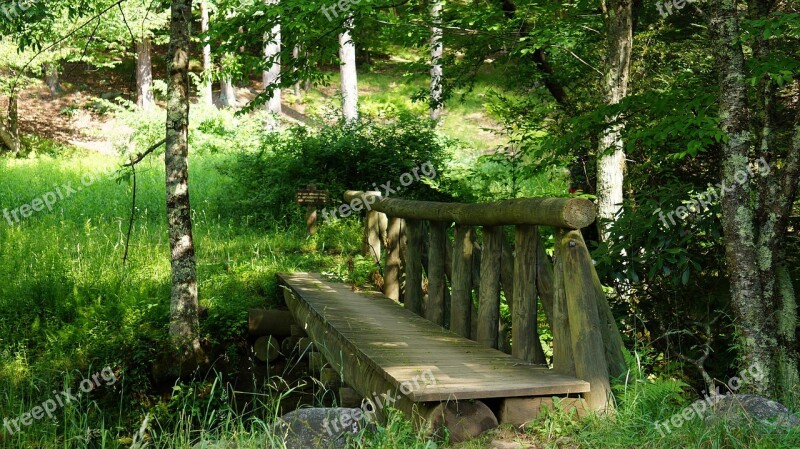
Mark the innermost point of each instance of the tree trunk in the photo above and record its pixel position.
(184, 319)
(347, 68)
(611, 153)
(227, 93)
(9, 131)
(206, 91)
(272, 77)
(144, 75)
(436, 61)
(296, 56)
(754, 320)
(51, 78)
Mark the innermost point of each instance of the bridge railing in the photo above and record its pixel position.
(415, 236)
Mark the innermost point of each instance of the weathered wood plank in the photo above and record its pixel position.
(461, 296)
(413, 258)
(587, 339)
(372, 335)
(489, 291)
(436, 272)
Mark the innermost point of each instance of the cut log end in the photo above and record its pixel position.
(266, 349)
(463, 420)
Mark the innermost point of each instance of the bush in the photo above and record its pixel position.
(363, 156)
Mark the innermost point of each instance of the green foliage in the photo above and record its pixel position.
(359, 156)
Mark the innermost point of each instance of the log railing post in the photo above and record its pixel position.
(372, 241)
(413, 266)
(523, 319)
(436, 272)
(562, 339)
(586, 336)
(461, 297)
(489, 290)
(391, 280)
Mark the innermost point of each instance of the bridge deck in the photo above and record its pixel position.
(401, 345)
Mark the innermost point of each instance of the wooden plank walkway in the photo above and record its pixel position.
(400, 345)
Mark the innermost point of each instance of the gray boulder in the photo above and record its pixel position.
(746, 407)
(324, 428)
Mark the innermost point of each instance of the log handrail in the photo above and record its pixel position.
(567, 213)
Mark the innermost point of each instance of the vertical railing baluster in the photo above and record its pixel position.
(436, 272)
(461, 297)
(489, 290)
(413, 266)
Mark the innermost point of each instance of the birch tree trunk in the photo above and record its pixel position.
(272, 77)
(144, 75)
(206, 91)
(436, 61)
(611, 153)
(296, 56)
(227, 93)
(347, 69)
(184, 318)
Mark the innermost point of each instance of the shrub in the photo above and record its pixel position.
(362, 155)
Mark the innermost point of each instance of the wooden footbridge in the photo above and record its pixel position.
(439, 350)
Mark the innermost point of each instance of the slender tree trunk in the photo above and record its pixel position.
(347, 68)
(754, 320)
(611, 159)
(206, 93)
(227, 93)
(296, 56)
(184, 319)
(272, 77)
(144, 75)
(51, 78)
(9, 130)
(436, 61)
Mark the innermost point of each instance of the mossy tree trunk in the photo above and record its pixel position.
(184, 319)
(762, 296)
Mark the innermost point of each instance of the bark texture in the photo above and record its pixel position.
(347, 68)
(436, 61)
(144, 75)
(184, 320)
(741, 254)
(206, 87)
(611, 159)
(9, 128)
(272, 76)
(227, 93)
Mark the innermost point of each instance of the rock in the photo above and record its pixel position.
(324, 428)
(110, 95)
(738, 407)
